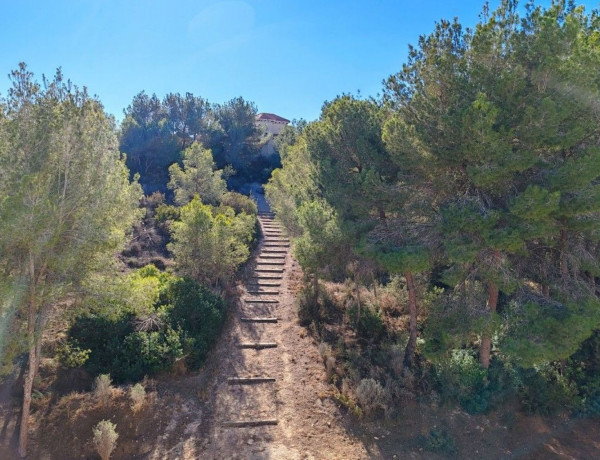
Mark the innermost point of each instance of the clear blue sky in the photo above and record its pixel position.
(287, 56)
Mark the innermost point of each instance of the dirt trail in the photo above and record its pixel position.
(295, 418)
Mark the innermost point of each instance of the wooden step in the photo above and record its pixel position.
(274, 251)
(249, 380)
(276, 245)
(250, 423)
(257, 345)
(270, 262)
(268, 256)
(247, 300)
(268, 270)
(263, 292)
(259, 320)
(268, 284)
(268, 277)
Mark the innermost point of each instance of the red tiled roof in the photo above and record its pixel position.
(271, 116)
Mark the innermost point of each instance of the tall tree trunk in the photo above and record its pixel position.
(409, 353)
(27, 390)
(33, 360)
(315, 288)
(486, 341)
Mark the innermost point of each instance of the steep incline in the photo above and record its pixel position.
(269, 396)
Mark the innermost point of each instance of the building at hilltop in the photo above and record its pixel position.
(271, 125)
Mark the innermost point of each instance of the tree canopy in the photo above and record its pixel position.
(477, 171)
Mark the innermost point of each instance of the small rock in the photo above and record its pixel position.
(250, 441)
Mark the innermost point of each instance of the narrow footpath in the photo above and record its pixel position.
(269, 399)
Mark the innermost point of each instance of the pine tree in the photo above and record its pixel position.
(68, 202)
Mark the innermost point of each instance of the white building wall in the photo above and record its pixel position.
(272, 127)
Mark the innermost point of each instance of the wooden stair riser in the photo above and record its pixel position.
(247, 300)
(259, 320)
(257, 345)
(249, 380)
(250, 423)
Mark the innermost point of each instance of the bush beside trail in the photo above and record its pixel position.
(183, 321)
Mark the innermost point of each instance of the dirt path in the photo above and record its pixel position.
(287, 414)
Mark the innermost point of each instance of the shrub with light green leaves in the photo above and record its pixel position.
(105, 438)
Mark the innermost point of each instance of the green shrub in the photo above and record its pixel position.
(209, 244)
(547, 391)
(310, 311)
(103, 334)
(440, 441)
(369, 325)
(165, 212)
(584, 370)
(148, 353)
(197, 313)
(462, 379)
(128, 355)
(71, 355)
(182, 317)
(240, 203)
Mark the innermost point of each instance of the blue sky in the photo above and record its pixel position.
(287, 56)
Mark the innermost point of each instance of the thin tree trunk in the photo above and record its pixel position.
(27, 390)
(486, 341)
(409, 352)
(316, 288)
(357, 288)
(33, 360)
(374, 286)
(545, 290)
(564, 270)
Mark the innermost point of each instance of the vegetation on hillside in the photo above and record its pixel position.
(66, 204)
(456, 219)
(154, 134)
(470, 189)
(145, 325)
